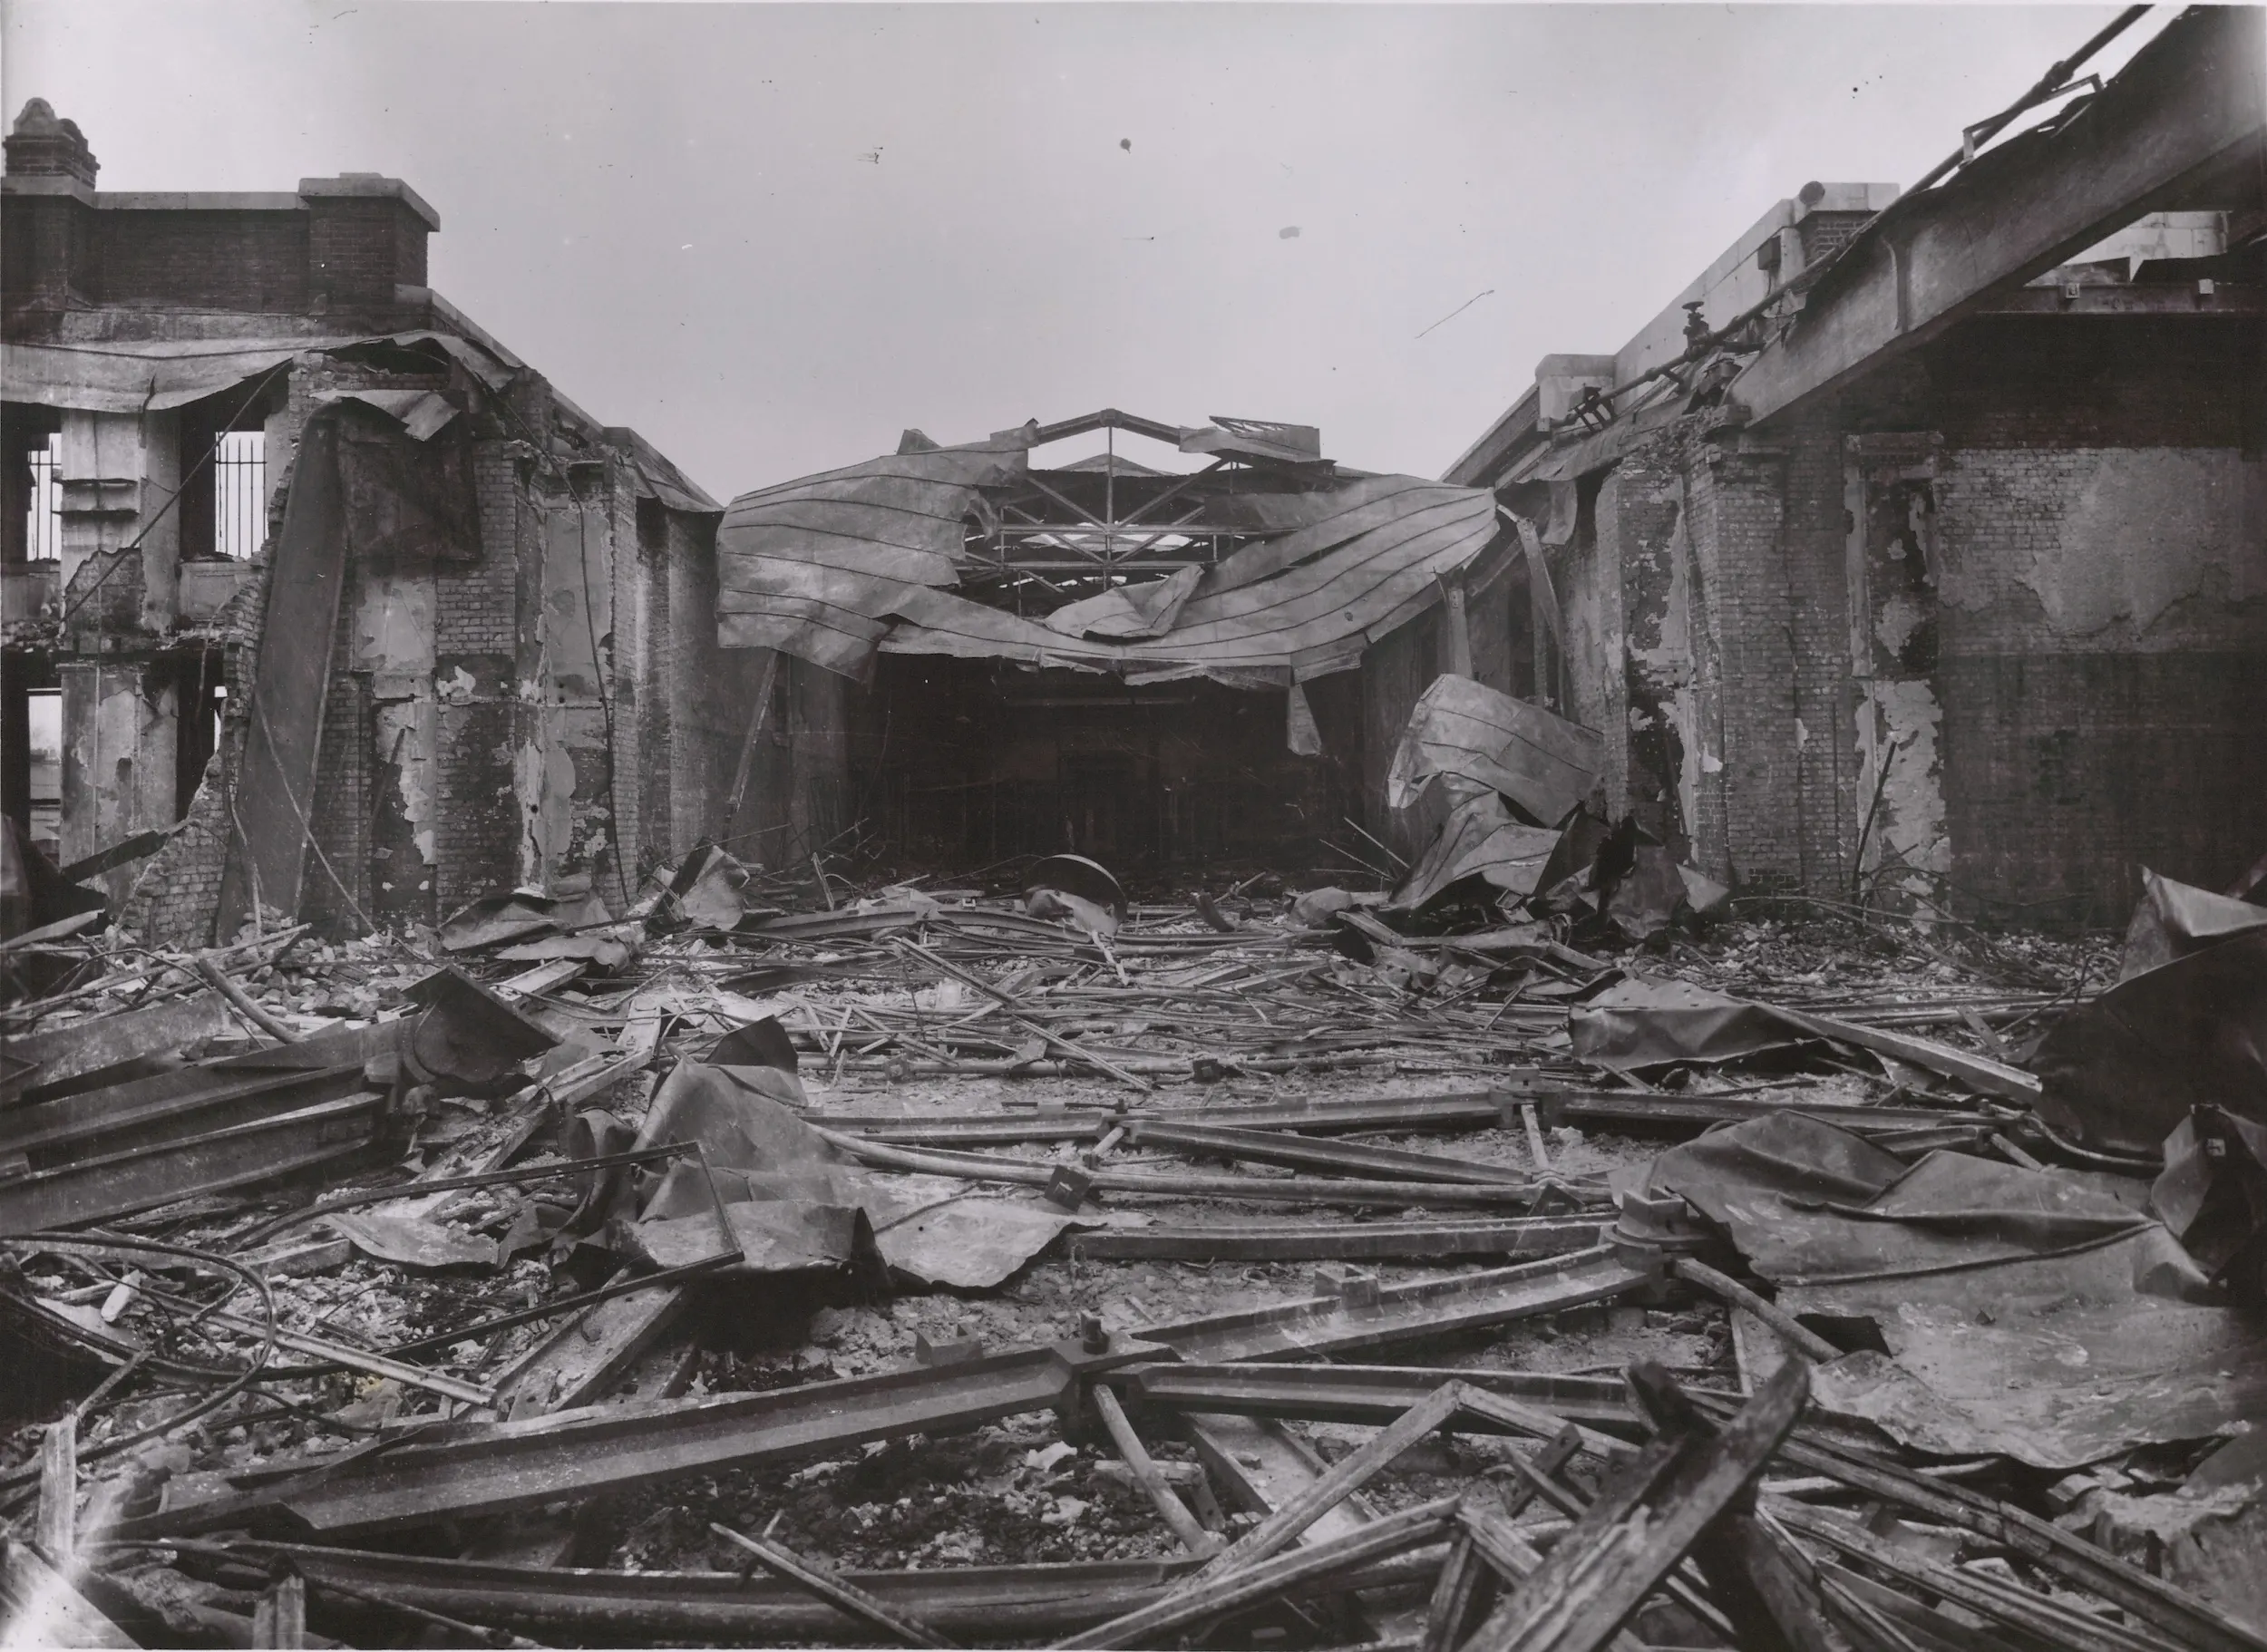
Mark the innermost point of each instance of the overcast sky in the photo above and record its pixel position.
(772, 237)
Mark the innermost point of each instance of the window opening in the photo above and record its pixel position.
(43, 528)
(239, 498)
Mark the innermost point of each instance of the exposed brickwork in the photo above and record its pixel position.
(2069, 773)
(476, 829)
(2073, 508)
(226, 260)
(336, 896)
(103, 598)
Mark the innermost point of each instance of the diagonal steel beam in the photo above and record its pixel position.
(2191, 100)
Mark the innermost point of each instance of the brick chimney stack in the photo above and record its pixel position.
(42, 146)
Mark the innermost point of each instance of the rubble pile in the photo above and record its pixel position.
(1543, 1253)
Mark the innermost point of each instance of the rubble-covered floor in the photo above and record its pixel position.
(916, 1011)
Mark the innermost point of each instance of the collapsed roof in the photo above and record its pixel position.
(1272, 565)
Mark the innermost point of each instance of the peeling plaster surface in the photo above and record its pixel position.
(408, 733)
(1669, 669)
(396, 621)
(118, 759)
(1909, 826)
(2142, 529)
(544, 776)
(1900, 620)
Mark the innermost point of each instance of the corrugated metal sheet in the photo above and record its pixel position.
(814, 568)
(836, 568)
(150, 375)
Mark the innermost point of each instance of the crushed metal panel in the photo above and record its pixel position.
(822, 567)
(2172, 920)
(2123, 1070)
(1462, 729)
(1479, 840)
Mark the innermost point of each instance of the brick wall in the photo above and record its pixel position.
(2101, 511)
(335, 882)
(705, 718)
(1771, 660)
(477, 827)
(2068, 773)
(1815, 554)
(237, 260)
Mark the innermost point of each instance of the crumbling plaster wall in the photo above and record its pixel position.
(2102, 610)
(1637, 517)
(1587, 574)
(2104, 665)
(1894, 568)
(118, 755)
(565, 773)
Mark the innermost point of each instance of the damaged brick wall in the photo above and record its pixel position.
(1635, 526)
(2002, 614)
(476, 649)
(2103, 609)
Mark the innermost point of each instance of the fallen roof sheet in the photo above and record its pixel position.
(836, 568)
(146, 375)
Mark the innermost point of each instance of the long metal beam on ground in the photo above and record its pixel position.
(600, 1449)
(464, 1471)
(1432, 1308)
(598, 1608)
(1378, 1394)
(1304, 1153)
(140, 1178)
(1338, 1242)
(1558, 1103)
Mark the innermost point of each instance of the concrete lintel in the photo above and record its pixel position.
(369, 186)
(48, 183)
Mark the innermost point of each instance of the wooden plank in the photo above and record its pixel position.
(1632, 1536)
(2190, 100)
(1977, 1071)
(58, 1524)
(1263, 1465)
(843, 1596)
(1313, 1502)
